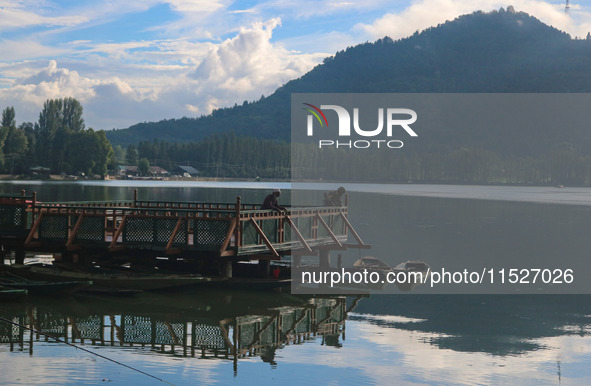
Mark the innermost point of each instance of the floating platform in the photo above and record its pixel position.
(209, 238)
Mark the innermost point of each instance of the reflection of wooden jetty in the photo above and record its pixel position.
(211, 235)
(256, 334)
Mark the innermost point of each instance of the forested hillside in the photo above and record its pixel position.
(503, 51)
(498, 52)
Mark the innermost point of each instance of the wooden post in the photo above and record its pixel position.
(238, 237)
(265, 267)
(19, 256)
(227, 268)
(134, 198)
(324, 258)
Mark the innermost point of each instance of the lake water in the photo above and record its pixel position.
(422, 337)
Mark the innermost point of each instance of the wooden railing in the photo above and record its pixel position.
(224, 229)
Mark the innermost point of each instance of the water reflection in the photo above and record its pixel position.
(493, 324)
(222, 325)
(244, 335)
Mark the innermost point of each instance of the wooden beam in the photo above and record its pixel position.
(118, 232)
(361, 243)
(298, 234)
(264, 237)
(174, 232)
(228, 238)
(330, 233)
(75, 230)
(33, 229)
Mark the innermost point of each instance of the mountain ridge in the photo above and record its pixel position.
(500, 51)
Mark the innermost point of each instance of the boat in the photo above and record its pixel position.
(107, 279)
(11, 293)
(416, 273)
(371, 264)
(42, 287)
(409, 274)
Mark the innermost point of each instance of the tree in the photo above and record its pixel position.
(143, 167)
(63, 143)
(15, 150)
(12, 141)
(8, 117)
(103, 153)
(117, 158)
(72, 115)
(131, 155)
(57, 121)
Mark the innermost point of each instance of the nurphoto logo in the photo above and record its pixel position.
(394, 118)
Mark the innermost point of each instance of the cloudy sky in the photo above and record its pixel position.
(146, 60)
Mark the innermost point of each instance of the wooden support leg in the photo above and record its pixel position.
(296, 260)
(228, 269)
(264, 268)
(19, 256)
(324, 258)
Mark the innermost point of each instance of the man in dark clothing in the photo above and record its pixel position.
(271, 201)
(334, 198)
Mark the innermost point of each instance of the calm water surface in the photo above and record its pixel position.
(187, 338)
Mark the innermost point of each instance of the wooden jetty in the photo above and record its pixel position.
(209, 237)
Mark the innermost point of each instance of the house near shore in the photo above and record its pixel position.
(185, 171)
(125, 171)
(40, 171)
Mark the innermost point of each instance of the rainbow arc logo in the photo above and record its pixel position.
(315, 111)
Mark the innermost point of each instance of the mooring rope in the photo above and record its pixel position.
(83, 349)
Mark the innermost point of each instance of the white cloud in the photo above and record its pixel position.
(422, 14)
(149, 87)
(196, 5)
(25, 14)
(187, 65)
(16, 50)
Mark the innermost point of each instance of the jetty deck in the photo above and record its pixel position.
(95, 232)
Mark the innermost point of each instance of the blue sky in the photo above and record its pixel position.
(135, 61)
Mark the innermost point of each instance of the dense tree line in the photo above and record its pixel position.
(224, 155)
(467, 165)
(59, 141)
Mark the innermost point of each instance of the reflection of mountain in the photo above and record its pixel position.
(495, 324)
(208, 324)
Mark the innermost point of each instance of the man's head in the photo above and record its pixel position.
(277, 192)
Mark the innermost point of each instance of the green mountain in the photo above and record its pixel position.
(501, 51)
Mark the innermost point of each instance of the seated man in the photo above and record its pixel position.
(271, 201)
(333, 198)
